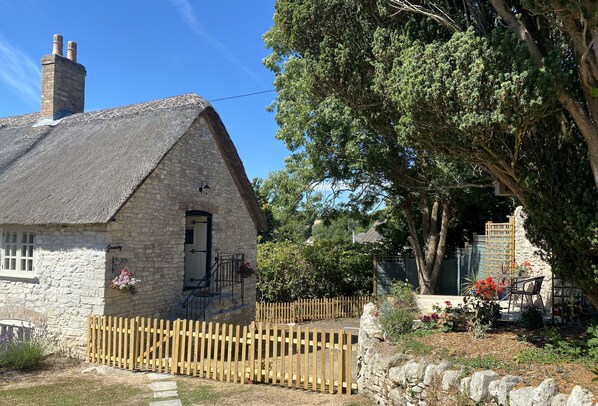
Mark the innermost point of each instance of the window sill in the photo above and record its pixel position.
(19, 277)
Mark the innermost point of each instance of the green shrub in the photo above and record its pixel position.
(22, 354)
(449, 317)
(395, 321)
(482, 315)
(397, 311)
(593, 341)
(531, 318)
(403, 295)
(476, 315)
(289, 271)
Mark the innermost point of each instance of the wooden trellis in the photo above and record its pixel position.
(499, 250)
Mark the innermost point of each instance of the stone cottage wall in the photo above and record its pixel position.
(393, 378)
(526, 251)
(151, 227)
(67, 286)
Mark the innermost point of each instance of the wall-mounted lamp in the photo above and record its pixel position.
(203, 187)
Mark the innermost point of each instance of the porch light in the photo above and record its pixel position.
(203, 187)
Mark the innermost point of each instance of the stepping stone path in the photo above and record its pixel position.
(163, 388)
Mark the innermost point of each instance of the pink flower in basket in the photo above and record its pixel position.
(124, 281)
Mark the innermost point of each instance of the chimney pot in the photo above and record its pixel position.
(57, 49)
(63, 82)
(72, 51)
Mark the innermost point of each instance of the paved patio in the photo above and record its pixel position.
(425, 302)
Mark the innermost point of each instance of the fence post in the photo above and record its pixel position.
(331, 362)
(290, 357)
(243, 355)
(251, 349)
(260, 350)
(90, 339)
(104, 335)
(349, 365)
(175, 347)
(341, 361)
(132, 343)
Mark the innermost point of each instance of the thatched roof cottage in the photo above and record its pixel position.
(155, 188)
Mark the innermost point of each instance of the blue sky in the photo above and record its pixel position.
(136, 51)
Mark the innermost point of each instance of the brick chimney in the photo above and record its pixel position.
(63, 82)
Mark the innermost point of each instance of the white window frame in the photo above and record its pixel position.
(18, 257)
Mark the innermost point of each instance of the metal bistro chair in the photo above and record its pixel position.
(526, 288)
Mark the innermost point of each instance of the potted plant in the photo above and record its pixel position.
(488, 289)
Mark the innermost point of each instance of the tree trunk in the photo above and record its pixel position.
(429, 260)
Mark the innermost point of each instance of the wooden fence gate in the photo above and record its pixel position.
(293, 356)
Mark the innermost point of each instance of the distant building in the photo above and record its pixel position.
(369, 236)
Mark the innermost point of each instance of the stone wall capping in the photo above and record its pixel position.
(544, 393)
(450, 379)
(479, 384)
(521, 397)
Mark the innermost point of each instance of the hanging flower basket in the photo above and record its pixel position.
(245, 270)
(125, 282)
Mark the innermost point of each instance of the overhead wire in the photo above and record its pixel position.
(242, 95)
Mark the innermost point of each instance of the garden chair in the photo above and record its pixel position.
(526, 289)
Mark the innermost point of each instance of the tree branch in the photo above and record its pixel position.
(433, 12)
(522, 32)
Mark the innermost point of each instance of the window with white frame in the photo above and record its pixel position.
(16, 251)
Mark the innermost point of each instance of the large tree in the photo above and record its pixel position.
(561, 37)
(513, 95)
(342, 129)
(377, 98)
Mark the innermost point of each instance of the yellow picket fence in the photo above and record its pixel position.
(311, 309)
(293, 356)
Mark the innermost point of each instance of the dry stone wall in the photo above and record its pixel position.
(391, 378)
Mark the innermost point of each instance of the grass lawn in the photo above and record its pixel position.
(195, 391)
(61, 383)
(71, 391)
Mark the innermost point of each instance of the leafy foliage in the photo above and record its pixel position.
(475, 314)
(397, 311)
(289, 271)
(402, 295)
(593, 341)
(343, 128)
(395, 321)
(531, 318)
(388, 103)
(21, 354)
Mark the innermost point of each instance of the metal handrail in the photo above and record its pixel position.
(224, 273)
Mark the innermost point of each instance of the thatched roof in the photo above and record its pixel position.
(82, 169)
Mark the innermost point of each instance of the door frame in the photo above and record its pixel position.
(208, 243)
